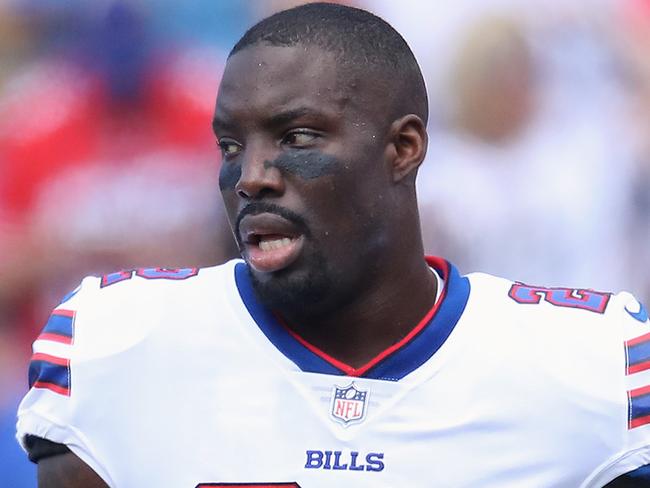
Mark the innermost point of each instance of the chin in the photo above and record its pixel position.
(306, 289)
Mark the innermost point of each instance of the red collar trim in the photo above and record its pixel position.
(439, 264)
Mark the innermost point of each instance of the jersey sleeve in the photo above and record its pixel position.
(39, 448)
(630, 317)
(56, 400)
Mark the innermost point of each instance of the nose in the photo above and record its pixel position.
(259, 178)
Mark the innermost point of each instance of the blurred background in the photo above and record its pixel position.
(538, 166)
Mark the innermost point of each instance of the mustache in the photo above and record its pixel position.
(255, 208)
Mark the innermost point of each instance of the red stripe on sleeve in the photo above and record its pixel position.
(49, 336)
(635, 368)
(39, 356)
(51, 386)
(638, 340)
(61, 312)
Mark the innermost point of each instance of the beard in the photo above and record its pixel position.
(307, 292)
(304, 289)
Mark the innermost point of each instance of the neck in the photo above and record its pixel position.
(380, 316)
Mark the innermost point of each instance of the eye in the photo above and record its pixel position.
(300, 137)
(229, 147)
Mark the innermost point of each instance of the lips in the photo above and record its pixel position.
(270, 242)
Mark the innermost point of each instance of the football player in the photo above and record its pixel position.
(334, 353)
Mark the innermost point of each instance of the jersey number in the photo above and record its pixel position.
(149, 274)
(591, 300)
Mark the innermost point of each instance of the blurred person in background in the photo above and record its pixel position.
(107, 160)
(529, 120)
(632, 33)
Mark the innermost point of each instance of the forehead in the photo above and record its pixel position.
(278, 78)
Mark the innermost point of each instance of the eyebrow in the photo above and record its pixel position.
(290, 115)
(275, 120)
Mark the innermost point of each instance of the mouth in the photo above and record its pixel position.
(270, 242)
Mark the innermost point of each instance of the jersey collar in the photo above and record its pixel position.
(393, 363)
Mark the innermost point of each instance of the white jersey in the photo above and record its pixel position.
(180, 378)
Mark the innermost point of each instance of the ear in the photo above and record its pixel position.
(408, 141)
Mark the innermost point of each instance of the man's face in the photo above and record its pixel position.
(304, 177)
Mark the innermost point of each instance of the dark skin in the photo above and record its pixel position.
(67, 471)
(278, 109)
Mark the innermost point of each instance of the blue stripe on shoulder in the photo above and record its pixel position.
(59, 324)
(46, 372)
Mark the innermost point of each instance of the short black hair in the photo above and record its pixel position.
(357, 37)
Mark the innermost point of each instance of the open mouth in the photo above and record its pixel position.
(270, 242)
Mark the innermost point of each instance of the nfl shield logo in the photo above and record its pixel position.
(348, 404)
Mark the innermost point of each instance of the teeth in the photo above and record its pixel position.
(270, 245)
